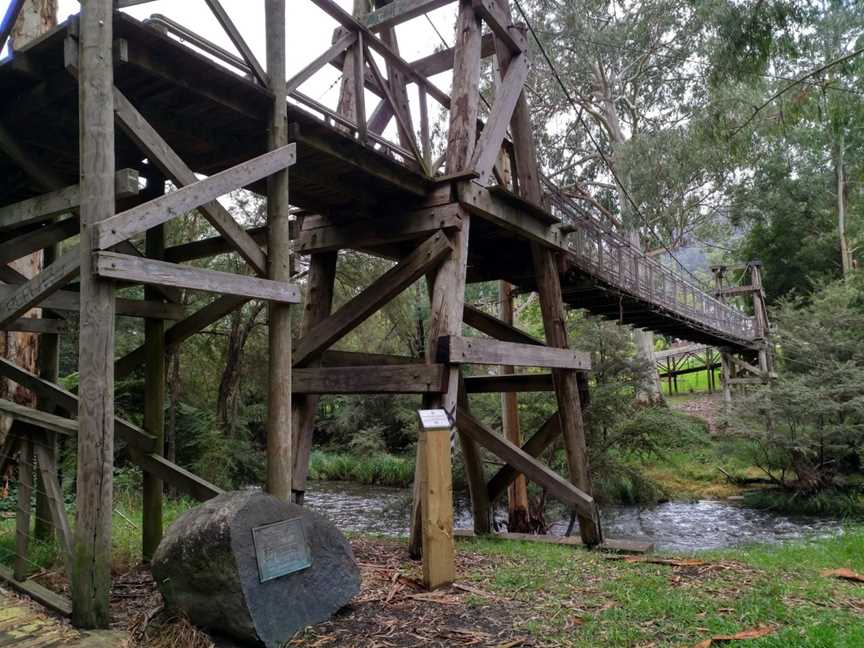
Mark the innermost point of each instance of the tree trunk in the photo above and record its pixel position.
(36, 18)
(650, 392)
(840, 173)
(226, 406)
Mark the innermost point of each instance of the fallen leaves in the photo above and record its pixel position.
(756, 633)
(844, 574)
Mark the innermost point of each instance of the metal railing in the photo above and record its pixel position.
(607, 255)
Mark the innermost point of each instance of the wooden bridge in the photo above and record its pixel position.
(211, 122)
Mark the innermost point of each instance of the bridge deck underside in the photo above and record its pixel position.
(215, 119)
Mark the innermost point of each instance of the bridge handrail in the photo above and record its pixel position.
(616, 260)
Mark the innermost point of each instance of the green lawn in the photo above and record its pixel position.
(583, 599)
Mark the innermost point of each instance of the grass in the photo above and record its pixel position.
(692, 382)
(584, 599)
(380, 469)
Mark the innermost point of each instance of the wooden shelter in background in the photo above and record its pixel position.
(147, 108)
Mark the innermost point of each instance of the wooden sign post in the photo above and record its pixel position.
(436, 496)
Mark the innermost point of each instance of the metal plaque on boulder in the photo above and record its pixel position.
(281, 549)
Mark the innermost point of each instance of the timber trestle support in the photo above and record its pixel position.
(159, 104)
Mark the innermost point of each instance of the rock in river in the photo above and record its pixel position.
(250, 566)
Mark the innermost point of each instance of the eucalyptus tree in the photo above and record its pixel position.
(623, 130)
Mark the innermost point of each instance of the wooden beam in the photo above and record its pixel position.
(63, 201)
(164, 157)
(182, 331)
(65, 300)
(23, 510)
(500, 24)
(36, 325)
(496, 328)
(42, 595)
(358, 359)
(56, 500)
(534, 447)
(238, 40)
(541, 475)
(509, 383)
(47, 282)
(33, 241)
(436, 503)
(369, 233)
(160, 210)
(68, 402)
(731, 291)
(210, 247)
(488, 146)
(401, 379)
(172, 474)
(342, 43)
(425, 257)
(456, 349)
(38, 419)
(111, 265)
(443, 61)
(400, 11)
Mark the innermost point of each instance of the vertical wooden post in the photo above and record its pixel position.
(552, 307)
(155, 379)
(280, 460)
(91, 573)
(476, 476)
(22, 517)
(517, 492)
(448, 283)
(49, 369)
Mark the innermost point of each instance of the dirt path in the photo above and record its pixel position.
(704, 406)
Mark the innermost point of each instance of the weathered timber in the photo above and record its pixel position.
(49, 392)
(184, 481)
(34, 240)
(425, 257)
(182, 331)
(210, 246)
(63, 300)
(22, 512)
(335, 358)
(342, 43)
(526, 464)
(369, 233)
(35, 325)
(400, 379)
(496, 328)
(30, 294)
(280, 450)
(56, 501)
(475, 472)
(160, 210)
(500, 24)
(90, 578)
(400, 11)
(169, 163)
(63, 201)
(149, 271)
(534, 447)
(478, 350)
(38, 419)
(238, 40)
(509, 383)
(39, 593)
(435, 489)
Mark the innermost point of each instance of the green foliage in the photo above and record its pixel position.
(833, 503)
(807, 430)
(381, 469)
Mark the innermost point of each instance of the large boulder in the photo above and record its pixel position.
(255, 568)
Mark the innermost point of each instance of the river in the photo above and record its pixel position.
(673, 526)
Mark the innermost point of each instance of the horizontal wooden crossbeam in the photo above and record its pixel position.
(38, 419)
(64, 300)
(111, 265)
(400, 11)
(210, 247)
(373, 232)
(39, 239)
(425, 257)
(37, 325)
(732, 291)
(400, 379)
(533, 469)
(456, 349)
(160, 210)
(334, 358)
(509, 383)
(62, 201)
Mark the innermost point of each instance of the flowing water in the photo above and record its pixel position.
(674, 526)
